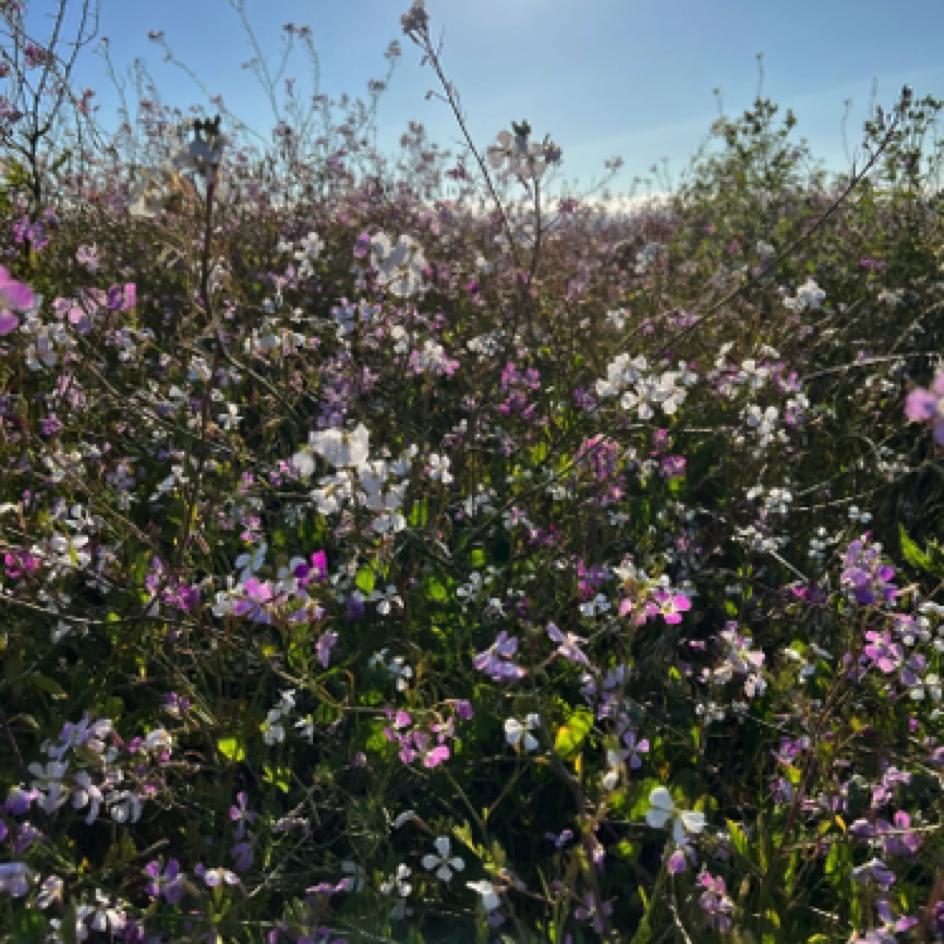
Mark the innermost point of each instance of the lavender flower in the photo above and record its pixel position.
(927, 406)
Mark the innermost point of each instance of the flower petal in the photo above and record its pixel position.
(657, 818)
(661, 799)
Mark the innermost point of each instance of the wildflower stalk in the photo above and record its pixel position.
(192, 503)
(420, 29)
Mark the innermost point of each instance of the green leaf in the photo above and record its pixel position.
(46, 684)
(436, 589)
(738, 839)
(232, 749)
(912, 553)
(419, 516)
(838, 865)
(377, 741)
(930, 561)
(571, 735)
(365, 580)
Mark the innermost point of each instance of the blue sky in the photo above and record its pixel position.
(602, 77)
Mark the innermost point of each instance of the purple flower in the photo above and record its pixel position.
(681, 856)
(14, 878)
(562, 840)
(887, 933)
(355, 606)
(883, 652)
(257, 594)
(490, 661)
(904, 845)
(937, 923)
(169, 883)
(242, 853)
(464, 710)
(20, 800)
(715, 902)
(241, 814)
(590, 912)
(874, 871)
(865, 574)
(634, 749)
(323, 648)
(568, 645)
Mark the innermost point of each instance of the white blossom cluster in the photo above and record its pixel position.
(808, 296)
(305, 253)
(667, 391)
(378, 485)
(400, 265)
(523, 159)
(275, 339)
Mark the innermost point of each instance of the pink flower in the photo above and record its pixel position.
(14, 296)
(927, 406)
(670, 605)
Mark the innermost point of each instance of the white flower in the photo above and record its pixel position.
(400, 266)
(86, 793)
(617, 318)
(311, 246)
(472, 588)
(439, 469)
(599, 604)
(287, 700)
(340, 448)
(199, 156)
(307, 725)
(230, 419)
(50, 891)
(932, 683)
(403, 888)
(490, 897)
(753, 375)
(159, 740)
(441, 862)
(49, 782)
(809, 295)
(125, 806)
(515, 731)
(378, 658)
(386, 598)
(400, 671)
(663, 810)
(272, 731)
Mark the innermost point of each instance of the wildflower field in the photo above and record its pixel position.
(381, 567)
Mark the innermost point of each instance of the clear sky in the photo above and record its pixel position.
(603, 77)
